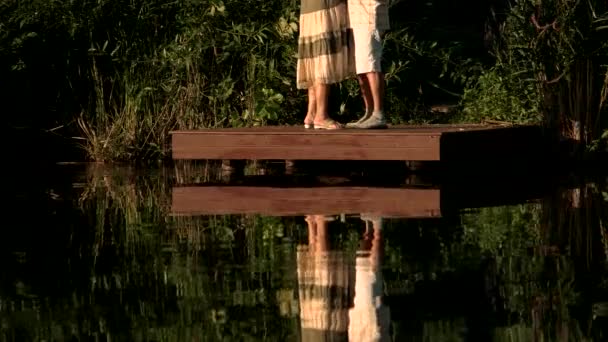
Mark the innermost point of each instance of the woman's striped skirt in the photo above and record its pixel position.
(324, 43)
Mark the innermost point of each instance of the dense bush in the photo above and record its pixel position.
(120, 75)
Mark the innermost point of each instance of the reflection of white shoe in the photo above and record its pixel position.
(371, 218)
(358, 122)
(326, 218)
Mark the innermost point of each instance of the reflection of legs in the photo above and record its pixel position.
(321, 243)
(322, 282)
(369, 318)
(318, 240)
(377, 253)
(377, 247)
(311, 306)
(312, 230)
(317, 233)
(372, 238)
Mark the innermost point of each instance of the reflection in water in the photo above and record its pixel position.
(341, 298)
(369, 317)
(325, 282)
(97, 256)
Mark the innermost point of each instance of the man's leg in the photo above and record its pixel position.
(361, 48)
(376, 85)
(366, 93)
(368, 59)
(368, 100)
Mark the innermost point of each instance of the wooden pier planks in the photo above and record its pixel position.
(421, 143)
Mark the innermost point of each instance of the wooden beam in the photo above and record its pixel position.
(446, 143)
(294, 143)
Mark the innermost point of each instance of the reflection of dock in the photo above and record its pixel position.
(423, 143)
(395, 202)
(330, 200)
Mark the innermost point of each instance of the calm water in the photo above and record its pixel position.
(96, 254)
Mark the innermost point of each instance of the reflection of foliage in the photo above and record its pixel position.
(603, 223)
(448, 331)
(133, 273)
(125, 270)
(537, 281)
(537, 286)
(523, 333)
(510, 229)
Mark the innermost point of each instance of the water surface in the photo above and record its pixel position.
(95, 253)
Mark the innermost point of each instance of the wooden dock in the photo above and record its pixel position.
(462, 149)
(403, 143)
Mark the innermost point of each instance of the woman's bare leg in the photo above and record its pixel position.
(322, 119)
(312, 106)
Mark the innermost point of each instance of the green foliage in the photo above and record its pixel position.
(549, 61)
(508, 89)
(120, 75)
(131, 71)
(500, 95)
(412, 66)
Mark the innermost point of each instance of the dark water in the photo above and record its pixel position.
(96, 254)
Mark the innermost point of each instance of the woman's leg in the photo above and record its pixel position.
(322, 119)
(312, 108)
(322, 94)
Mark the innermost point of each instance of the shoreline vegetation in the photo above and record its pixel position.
(107, 80)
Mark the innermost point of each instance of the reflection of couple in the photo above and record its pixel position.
(340, 300)
(337, 39)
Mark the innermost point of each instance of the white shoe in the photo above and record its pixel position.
(374, 122)
(360, 121)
